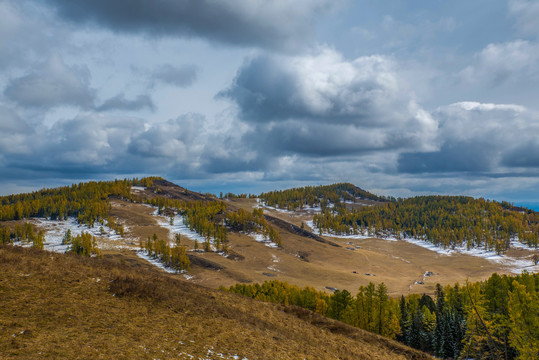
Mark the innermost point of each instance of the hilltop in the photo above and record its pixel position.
(322, 196)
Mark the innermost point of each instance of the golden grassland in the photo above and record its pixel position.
(65, 306)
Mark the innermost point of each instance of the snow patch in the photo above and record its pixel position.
(137, 188)
(56, 229)
(263, 239)
(515, 244)
(358, 236)
(178, 227)
(144, 255)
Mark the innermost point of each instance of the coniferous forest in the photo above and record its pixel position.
(447, 221)
(494, 319)
(297, 198)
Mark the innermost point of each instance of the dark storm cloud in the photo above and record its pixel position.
(52, 84)
(96, 143)
(268, 23)
(265, 91)
(524, 155)
(119, 102)
(481, 139)
(318, 87)
(452, 157)
(180, 76)
(14, 132)
(315, 139)
(87, 144)
(219, 165)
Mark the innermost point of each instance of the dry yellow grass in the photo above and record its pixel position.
(303, 261)
(64, 306)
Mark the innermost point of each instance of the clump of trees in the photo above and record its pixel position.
(236, 196)
(174, 257)
(447, 221)
(22, 233)
(254, 221)
(204, 217)
(371, 309)
(118, 228)
(210, 219)
(84, 244)
(298, 198)
(494, 319)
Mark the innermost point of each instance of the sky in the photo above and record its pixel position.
(401, 98)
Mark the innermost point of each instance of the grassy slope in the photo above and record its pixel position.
(325, 265)
(52, 306)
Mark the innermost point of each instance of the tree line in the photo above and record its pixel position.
(87, 202)
(447, 221)
(493, 319)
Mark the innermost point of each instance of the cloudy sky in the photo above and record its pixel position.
(399, 97)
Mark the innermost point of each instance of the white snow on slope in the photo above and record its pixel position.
(261, 238)
(137, 188)
(310, 224)
(155, 262)
(178, 227)
(56, 229)
(516, 265)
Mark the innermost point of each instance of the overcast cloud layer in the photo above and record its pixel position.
(400, 99)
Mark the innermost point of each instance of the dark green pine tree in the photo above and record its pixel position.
(338, 303)
(402, 320)
(415, 332)
(440, 323)
(447, 346)
(457, 332)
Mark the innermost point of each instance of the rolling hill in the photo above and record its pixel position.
(66, 306)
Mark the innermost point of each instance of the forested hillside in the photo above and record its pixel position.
(89, 203)
(446, 221)
(297, 198)
(494, 319)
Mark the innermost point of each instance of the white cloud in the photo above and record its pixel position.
(27, 34)
(52, 83)
(499, 63)
(526, 13)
